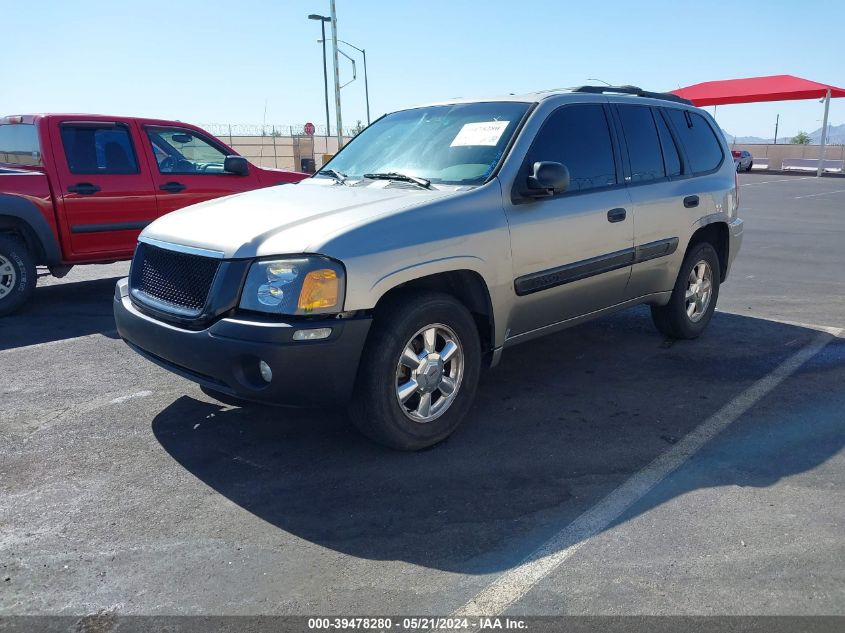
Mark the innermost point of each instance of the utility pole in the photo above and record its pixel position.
(820, 170)
(777, 120)
(338, 118)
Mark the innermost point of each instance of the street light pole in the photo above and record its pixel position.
(777, 120)
(323, 19)
(366, 83)
(338, 117)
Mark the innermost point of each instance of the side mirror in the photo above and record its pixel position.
(547, 179)
(237, 165)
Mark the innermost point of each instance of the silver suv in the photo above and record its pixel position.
(437, 238)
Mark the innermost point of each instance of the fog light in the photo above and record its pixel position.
(266, 372)
(312, 335)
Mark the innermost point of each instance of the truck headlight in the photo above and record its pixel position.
(309, 285)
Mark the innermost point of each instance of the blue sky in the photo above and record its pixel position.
(220, 62)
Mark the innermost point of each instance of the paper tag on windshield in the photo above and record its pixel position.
(482, 133)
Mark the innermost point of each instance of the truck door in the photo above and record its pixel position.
(572, 252)
(106, 190)
(188, 167)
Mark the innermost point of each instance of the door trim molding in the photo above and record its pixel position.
(560, 275)
(113, 226)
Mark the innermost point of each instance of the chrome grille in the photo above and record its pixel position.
(170, 280)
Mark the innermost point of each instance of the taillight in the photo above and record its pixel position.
(736, 195)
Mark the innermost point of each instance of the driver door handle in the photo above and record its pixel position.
(616, 215)
(173, 187)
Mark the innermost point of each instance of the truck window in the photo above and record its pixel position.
(180, 151)
(90, 149)
(702, 147)
(643, 144)
(671, 157)
(19, 144)
(578, 136)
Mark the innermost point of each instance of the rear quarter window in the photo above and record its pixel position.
(19, 144)
(703, 149)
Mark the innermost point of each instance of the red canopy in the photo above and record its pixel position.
(752, 89)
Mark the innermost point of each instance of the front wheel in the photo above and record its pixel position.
(17, 274)
(694, 296)
(418, 372)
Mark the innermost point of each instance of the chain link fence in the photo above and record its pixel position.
(248, 129)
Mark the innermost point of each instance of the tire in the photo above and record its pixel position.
(225, 398)
(674, 319)
(405, 321)
(750, 165)
(17, 274)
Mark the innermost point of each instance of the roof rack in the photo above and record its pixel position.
(632, 90)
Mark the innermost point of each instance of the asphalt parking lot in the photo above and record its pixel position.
(124, 489)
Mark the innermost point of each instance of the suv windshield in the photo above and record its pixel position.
(453, 144)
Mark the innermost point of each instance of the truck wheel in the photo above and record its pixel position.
(418, 371)
(694, 297)
(17, 274)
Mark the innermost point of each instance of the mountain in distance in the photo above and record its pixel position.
(835, 136)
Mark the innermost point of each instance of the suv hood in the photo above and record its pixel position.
(285, 219)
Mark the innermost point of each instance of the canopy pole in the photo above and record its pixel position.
(820, 170)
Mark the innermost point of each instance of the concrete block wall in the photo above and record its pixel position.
(776, 153)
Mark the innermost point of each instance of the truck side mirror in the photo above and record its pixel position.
(237, 165)
(547, 179)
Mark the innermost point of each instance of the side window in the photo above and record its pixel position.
(702, 147)
(90, 149)
(19, 144)
(179, 151)
(671, 157)
(643, 144)
(578, 136)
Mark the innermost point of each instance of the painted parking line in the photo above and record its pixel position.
(823, 193)
(511, 586)
(767, 182)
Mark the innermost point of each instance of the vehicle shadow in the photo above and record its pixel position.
(61, 311)
(561, 423)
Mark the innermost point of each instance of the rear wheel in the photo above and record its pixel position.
(694, 296)
(17, 274)
(418, 372)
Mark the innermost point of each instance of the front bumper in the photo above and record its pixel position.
(734, 242)
(225, 356)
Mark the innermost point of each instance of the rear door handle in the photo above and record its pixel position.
(173, 187)
(690, 202)
(84, 188)
(616, 215)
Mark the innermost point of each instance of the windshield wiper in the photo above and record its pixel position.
(333, 173)
(392, 175)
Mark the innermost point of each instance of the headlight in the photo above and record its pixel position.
(311, 285)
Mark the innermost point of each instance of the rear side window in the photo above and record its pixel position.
(90, 149)
(702, 147)
(643, 144)
(19, 144)
(578, 136)
(671, 157)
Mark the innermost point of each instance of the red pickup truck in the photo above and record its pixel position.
(77, 189)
